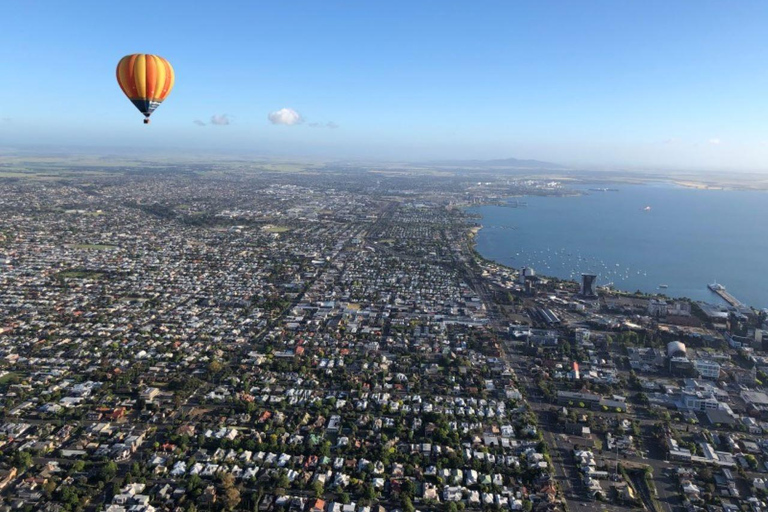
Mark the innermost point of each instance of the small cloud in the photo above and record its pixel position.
(672, 140)
(286, 116)
(199, 122)
(331, 125)
(7, 120)
(222, 120)
(714, 142)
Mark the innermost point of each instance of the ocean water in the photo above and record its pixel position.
(687, 239)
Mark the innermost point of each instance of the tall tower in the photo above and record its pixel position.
(525, 273)
(588, 285)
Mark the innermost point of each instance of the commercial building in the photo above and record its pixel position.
(707, 369)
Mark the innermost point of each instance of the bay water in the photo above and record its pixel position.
(639, 237)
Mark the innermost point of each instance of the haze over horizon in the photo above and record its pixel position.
(615, 85)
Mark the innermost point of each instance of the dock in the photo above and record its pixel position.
(727, 297)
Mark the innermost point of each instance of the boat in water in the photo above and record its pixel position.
(663, 286)
(716, 287)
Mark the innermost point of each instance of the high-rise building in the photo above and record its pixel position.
(588, 285)
(525, 272)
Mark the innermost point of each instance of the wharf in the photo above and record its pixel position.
(727, 297)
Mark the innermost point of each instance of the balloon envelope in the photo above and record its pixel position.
(146, 80)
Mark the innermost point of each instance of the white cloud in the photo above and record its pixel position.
(331, 125)
(286, 116)
(199, 122)
(714, 142)
(221, 120)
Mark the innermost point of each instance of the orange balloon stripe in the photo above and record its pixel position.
(151, 76)
(163, 79)
(131, 69)
(124, 76)
(118, 72)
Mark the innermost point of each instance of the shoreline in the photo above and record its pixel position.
(613, 290)
(618, 291)
(716, 299)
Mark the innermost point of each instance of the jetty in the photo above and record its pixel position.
(723, 293)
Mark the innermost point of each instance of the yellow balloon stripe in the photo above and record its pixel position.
(140, 76)
(160, 73)
(170, 80)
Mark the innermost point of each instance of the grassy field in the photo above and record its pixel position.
(8, 377)
(80, 274)
(30, 175)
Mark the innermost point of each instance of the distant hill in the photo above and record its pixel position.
(505, 163)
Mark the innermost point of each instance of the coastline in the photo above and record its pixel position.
(696, 185)
(682, 290)
(613, 290)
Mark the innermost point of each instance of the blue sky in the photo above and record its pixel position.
(680, 84)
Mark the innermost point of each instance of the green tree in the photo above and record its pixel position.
(283, 481)
(108, 471)
(194, 482)
(22, 459)
(215, 367)
(69, 496)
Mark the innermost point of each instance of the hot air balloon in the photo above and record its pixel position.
(146, 80)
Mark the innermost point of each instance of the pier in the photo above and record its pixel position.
(723, 293)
